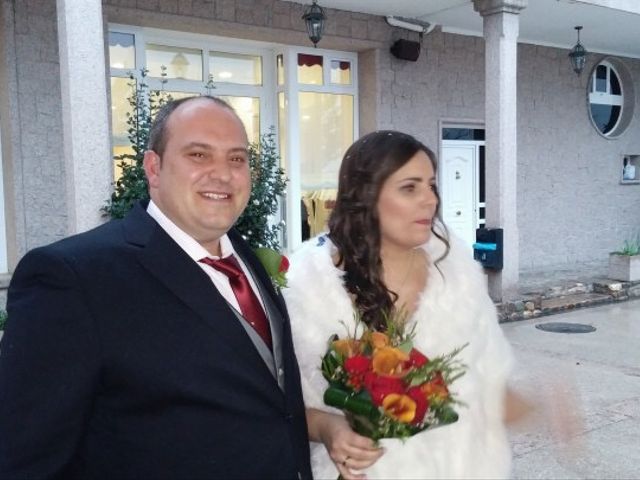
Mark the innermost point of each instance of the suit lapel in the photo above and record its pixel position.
(167, 262)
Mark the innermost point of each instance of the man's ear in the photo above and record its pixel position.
(151, 165)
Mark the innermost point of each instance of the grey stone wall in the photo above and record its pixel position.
(31, 126)
(571, 206)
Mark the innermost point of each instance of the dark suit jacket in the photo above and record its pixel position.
(121, 360)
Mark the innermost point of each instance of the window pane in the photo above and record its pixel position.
(235, 68)
(615, 83)
(121, 89)
(605, 116)
(462, 134)
(282, 129)
(248, 109)
(177, 95)
(481, 177)
(326, 131)
(280, 69)
(601, 78)
(122, 52)
(340, 72)
(185, 63)
(310, 69)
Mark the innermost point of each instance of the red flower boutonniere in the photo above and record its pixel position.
(276, 265)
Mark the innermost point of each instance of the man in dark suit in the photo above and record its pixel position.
(127, 353)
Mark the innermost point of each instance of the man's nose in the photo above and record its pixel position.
(219, 169)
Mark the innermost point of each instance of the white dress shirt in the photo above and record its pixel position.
(197, 252)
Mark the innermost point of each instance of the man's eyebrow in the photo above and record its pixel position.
(239, 150)
(208, 147)
(204, 146)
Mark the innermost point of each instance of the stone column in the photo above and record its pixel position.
(85, 115)
(501, 24)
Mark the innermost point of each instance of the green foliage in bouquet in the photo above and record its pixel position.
(386, 387)
(3, 319)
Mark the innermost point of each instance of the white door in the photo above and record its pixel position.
(457, 188)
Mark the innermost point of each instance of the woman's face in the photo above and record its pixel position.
(408, 203)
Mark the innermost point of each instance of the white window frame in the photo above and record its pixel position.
(291, 89)
(267, 93)
(206, 43)
(606, 97)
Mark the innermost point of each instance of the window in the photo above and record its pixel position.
(610, 98)
(318, 121)
(308, 95)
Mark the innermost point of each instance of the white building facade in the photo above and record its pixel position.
(525, 144)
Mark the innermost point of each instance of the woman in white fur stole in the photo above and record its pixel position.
(387, 250)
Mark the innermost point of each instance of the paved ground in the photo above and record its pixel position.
(586, 392)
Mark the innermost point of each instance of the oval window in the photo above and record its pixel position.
(608, 89)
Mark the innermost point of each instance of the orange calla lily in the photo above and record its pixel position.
(347, 347)
(399, 407)
(389, 361)
(379, 340)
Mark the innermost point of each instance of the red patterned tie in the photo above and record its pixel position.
(249, 304)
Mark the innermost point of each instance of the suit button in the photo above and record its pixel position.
(280, 372)
(288, 417)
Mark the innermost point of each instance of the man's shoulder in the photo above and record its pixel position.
(97, 242)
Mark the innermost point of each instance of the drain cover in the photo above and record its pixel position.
(562, 327)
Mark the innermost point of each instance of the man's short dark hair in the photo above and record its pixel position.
(158, 131)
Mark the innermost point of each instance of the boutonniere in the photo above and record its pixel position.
(275, 264)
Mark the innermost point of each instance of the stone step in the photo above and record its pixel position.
(567, 296)
(576, 300)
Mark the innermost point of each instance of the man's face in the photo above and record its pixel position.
(202, 182)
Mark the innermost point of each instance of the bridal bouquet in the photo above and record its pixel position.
(387, 388)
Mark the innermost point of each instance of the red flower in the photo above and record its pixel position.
(284, 265)
(417, 359)
(435, 389)
(422, 404)
(356, 367)
(379, 386)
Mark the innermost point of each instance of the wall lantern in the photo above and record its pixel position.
(578, 54)
(314, 18)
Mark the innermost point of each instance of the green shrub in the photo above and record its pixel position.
(132, 184)
(268, 186)
(268, 178)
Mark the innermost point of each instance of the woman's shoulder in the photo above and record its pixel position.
(457, 262)
(312, 264)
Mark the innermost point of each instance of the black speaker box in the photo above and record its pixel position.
(406, 50)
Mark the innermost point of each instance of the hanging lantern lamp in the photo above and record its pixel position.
(314, 19)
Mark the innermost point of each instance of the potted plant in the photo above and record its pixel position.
(624, 264)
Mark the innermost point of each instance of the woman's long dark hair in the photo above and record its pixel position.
(354, 226)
